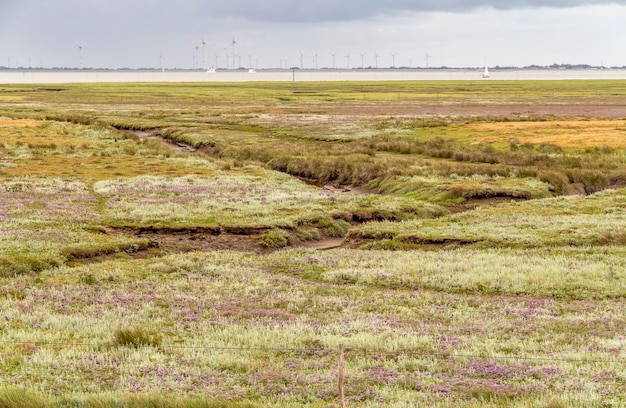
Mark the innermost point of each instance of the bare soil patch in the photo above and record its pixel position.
(208, 239)
(154, 134)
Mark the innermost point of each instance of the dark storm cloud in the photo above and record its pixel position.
(332, 10)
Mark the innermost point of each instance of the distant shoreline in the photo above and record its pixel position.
(29, 76)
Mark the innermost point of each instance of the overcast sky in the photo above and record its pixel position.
(287, 33)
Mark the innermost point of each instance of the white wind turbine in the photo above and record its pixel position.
(334, 55)
(233, 45)
(362, 55)
(203, 60)
(80, 55)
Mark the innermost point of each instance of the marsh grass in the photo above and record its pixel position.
(92, 250)
(295, 139)
(563, 221)
(155, 401)
(17, 398)
(14, 264)
(308, 234)
(504, 305)
(265, 329)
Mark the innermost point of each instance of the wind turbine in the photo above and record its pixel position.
(376, 56)
(233, 44)
(315, 58)
(348, 60)
(203, 61)
(333, 55)
(427, 57)
(362, 55)
(80, 56)
(393, 59)
(301, 57)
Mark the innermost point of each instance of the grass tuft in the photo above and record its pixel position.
(135, 337)
(332, 227)
(16, 398)
(276, 238)
(158, 401)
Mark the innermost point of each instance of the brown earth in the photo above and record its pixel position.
(182, 240)
(581, 107)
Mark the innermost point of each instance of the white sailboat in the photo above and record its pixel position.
(486, 73)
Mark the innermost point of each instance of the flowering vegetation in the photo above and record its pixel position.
(267, 328)
(482, 258)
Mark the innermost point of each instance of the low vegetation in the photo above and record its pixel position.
(159, 244)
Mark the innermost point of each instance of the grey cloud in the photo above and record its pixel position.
(332, 10)
(139, 33)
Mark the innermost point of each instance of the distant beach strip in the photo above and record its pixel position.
(93, 76)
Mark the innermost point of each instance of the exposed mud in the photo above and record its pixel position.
(208, 239)
(154, 134)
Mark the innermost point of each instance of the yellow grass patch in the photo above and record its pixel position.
(564, 133)
(89, 169)
(9, 123)
(36, 133)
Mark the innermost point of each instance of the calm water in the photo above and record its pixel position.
(57, 77)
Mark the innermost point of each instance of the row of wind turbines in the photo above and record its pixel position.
(233, 56)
